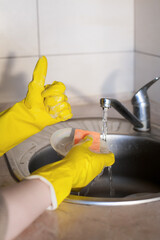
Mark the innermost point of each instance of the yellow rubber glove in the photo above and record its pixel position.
(43, 106)
(79, 167)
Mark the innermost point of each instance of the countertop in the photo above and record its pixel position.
(73, 221)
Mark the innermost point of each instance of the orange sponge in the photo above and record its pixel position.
(80, 134)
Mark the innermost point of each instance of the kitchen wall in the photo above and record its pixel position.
(89, 45)
(147, 45)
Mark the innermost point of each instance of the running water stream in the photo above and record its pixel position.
(86, 190)
(104, 138)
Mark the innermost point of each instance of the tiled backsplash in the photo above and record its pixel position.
(147, 67)
(96, 48)
(85, 26)
(147, 45)
(89, 45)
(18, 28)
(147, 26)
(93, 75)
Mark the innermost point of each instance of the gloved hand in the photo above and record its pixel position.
(79, 167)
(43, 106)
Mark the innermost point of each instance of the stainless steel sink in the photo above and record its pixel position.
(135, 174)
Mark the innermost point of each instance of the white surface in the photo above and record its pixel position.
(15, 74)
(18, 28)
(62, 140)
(89, 44)
(89, 75)
(147, 26)
(85, 26)
(147, 40)
(146, 68)
(85, 76)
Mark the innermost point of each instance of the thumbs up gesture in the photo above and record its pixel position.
(49, 99)
(44, 105)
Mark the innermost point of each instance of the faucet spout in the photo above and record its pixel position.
(141, 107)
(119, 107)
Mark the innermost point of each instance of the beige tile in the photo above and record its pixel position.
(15, 74)
(85, 26)
(146, 68)
(94, 74)
(18, 28)
(85, 76)
(147, 26)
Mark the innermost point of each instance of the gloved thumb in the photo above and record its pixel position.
(40, 72)
(36, 86)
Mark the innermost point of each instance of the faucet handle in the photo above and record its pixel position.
(141, 105)
(149, 84)
(141, 94)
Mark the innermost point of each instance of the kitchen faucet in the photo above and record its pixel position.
(141, 107)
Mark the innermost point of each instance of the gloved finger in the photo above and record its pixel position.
(65, 114)
(49, 85)
(40, 72)
(108, 158)
(86, 141)
(52, 101)
(54, 89)
(55, 110)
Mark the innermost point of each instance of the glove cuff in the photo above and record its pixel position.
(53, 205)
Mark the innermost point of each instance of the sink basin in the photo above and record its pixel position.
(135, 175)
(133, 179)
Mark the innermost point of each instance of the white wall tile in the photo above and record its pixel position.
(66, 28)
(84, 76)
(92, 75)
(15, 74)
(146, 68)
(85, 26)
(147, 26)
(18, 28)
